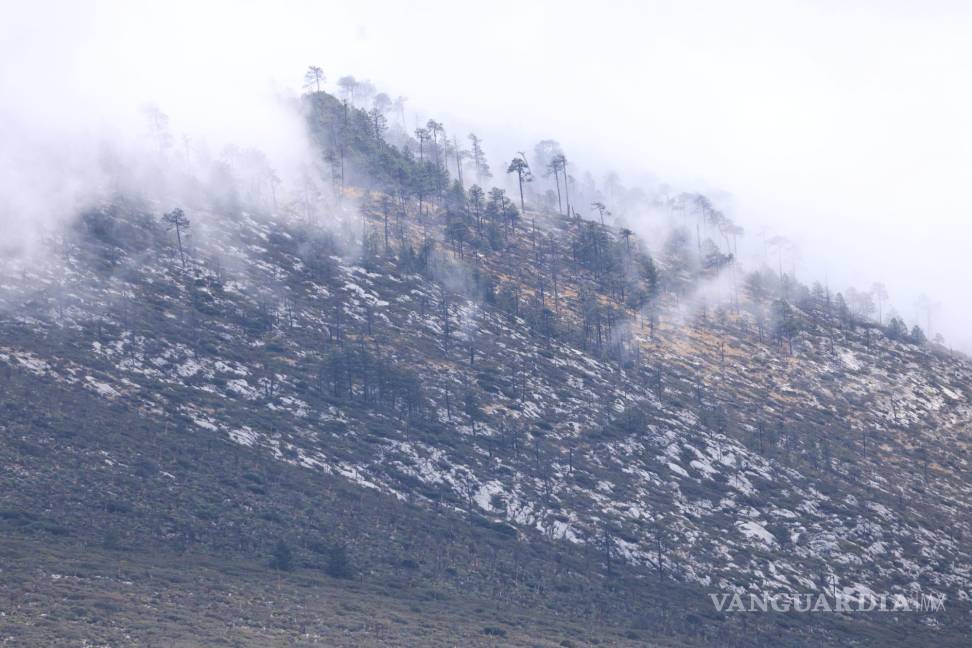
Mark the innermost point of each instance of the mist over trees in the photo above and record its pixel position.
(359, 139)
(425, 170)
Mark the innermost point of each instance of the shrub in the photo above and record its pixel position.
(282, 557)
(339, 562)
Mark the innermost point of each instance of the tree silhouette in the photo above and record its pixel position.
(460, 156)
(381, 104)
(177, 219)
(625, 234)
(314, 77)
(348, 85)
(477, 198)
(563, 165)
(422, 135)
(435, 130)
(553, 168)
(520, 167)
(601, 209)
(479, 159)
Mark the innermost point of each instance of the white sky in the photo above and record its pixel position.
(843, 125)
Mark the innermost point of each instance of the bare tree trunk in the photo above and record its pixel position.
(566, 190)
(458, 161)
(182, 256)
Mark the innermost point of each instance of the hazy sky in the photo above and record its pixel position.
(843, 125)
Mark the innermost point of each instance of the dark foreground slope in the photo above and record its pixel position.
(119, 532)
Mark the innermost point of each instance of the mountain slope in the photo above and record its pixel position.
(480, 404)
